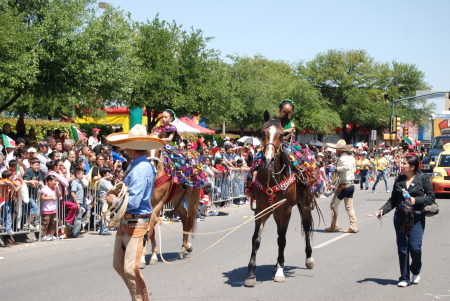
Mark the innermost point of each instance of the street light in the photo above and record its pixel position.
(393, 101)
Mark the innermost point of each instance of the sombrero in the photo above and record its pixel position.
(136, 139)
(340, 145)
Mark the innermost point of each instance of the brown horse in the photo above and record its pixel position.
(166, 191)
(276, 180)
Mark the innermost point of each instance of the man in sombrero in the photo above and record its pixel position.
(139, 179)
(345, 169)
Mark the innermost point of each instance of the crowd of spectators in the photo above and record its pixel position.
(54, 184)
(58, 173)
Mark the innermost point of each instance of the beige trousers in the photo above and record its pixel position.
(126, 258)
(334, 205)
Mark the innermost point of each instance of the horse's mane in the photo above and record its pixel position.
(275, 121)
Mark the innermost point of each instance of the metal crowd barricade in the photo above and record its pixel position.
(228, 187)
(167, 210)
(15, 209)
(93, 202)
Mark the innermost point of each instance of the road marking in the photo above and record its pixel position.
(331, 241)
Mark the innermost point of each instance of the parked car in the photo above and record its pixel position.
(436, 147)
(441, 171)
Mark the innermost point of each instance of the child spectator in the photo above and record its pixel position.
(9, 188)
(119, 174)
(104, 185)
(34, 178)
(77, 197)
(205, 202)
(49, 197)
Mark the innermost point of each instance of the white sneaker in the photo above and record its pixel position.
(47, 238)
(415, 279)
(403, 283)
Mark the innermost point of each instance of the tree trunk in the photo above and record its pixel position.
(152, 119)
(11, 101)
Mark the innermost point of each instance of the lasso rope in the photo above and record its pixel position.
(256, 217)
(112, 214)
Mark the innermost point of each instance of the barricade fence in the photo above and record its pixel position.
(21, 209)
(228, 187)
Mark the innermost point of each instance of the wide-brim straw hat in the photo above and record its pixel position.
(340, 145)
(137, 139)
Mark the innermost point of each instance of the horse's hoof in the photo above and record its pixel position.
(250, 282)
(181, 255)
(189, 248)
(309, 263)
(279, 279)
(153, 261)
(142, 265)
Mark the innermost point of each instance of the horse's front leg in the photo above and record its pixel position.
(282, 217)
(307, 223)
(250, 280)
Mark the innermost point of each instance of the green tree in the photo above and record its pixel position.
(18, 60)
(176, 70)
(360, 88)
(83, 60)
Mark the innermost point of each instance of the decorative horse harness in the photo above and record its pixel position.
(282, 186)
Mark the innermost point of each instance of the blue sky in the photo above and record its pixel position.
(413, 31)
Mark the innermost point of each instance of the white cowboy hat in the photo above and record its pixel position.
(136, 139)
(340, 145)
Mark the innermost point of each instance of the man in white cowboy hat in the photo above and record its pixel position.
(345, 169)
(139, 179)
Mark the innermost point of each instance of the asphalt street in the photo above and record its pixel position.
(362, 266)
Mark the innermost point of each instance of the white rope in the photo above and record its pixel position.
(257, 216)
(112, 214)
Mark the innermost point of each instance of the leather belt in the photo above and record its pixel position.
(135, 221)
(129, 216)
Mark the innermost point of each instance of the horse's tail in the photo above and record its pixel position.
(319, 210)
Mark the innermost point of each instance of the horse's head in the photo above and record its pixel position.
(272, 133)
(153, 156)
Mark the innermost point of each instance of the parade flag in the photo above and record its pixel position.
(215, 148)
(77, 134)
(8, 142)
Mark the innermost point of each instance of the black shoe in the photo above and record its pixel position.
(367, 188)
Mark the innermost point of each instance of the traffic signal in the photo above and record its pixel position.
(397, 123)
(405, 132)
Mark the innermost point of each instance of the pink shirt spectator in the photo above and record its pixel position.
(48, 207)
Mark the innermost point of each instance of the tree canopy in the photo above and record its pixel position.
(63, 58)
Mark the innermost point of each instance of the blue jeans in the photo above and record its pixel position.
(409, 244)
(381, 174)
(32, 207)
(363, 178)
(6, 216)
(102, 229)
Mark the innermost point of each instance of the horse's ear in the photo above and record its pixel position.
(266, 116)
(284, 120)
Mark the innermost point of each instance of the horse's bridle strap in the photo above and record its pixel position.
(270, 191)
(161, 180)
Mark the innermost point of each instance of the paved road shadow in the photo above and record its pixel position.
(379, 281)
(236, 277)
(167, 256)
